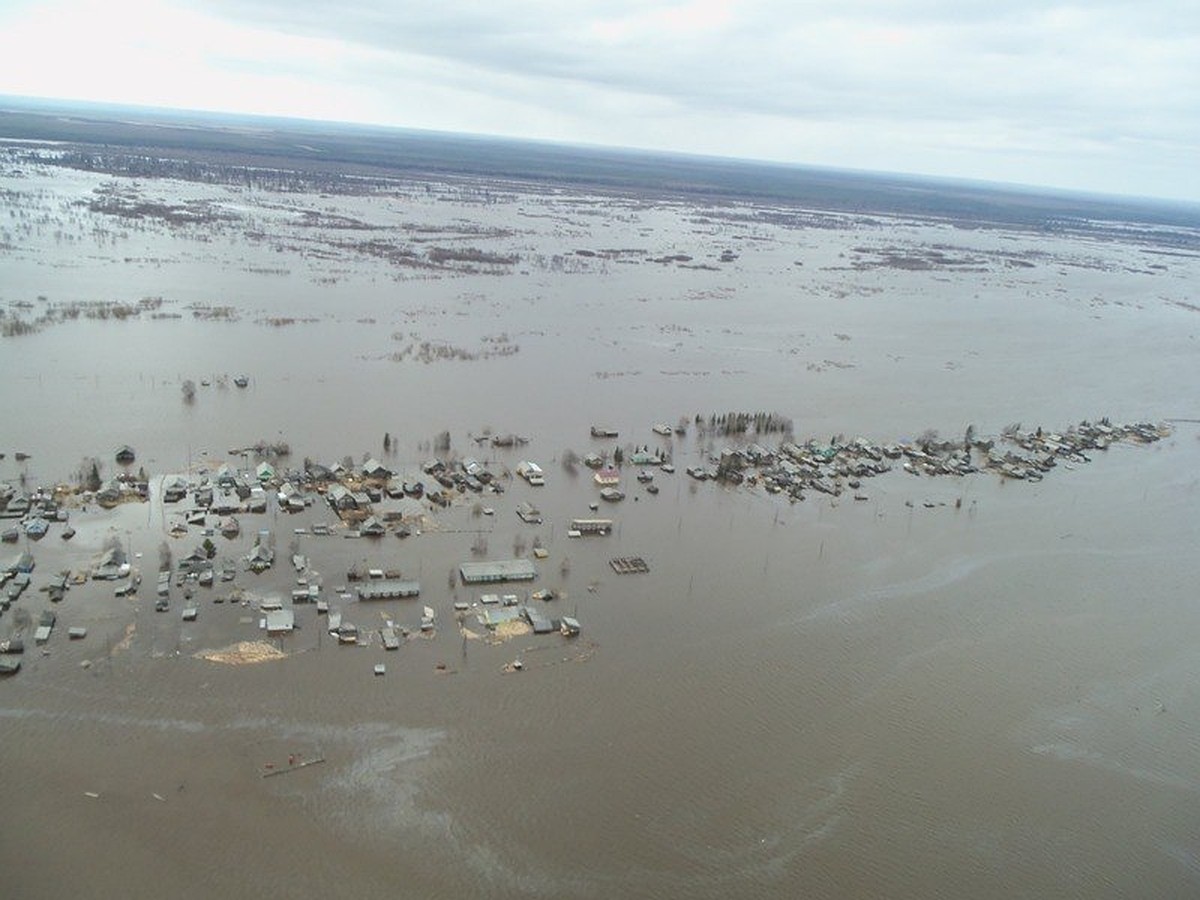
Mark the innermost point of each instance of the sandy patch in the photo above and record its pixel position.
(243, 653)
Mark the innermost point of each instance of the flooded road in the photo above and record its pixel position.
(990, 695)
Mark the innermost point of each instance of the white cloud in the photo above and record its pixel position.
(1100, 96)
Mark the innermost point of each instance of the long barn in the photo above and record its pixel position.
(496, 571)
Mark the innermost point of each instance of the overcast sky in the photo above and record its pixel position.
(1099, 95)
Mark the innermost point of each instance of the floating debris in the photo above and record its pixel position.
(294, 764)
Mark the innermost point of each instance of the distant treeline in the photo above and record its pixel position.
(732, 423)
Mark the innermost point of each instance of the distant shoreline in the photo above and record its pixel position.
(373, 151)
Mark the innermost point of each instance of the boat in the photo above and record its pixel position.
(652, 489)
(380, 669)
(644, 477)
(231, 528)
(10, 535)
(68, 533)
(241, 381)
(612, 495)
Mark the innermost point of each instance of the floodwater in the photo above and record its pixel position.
(986, 698)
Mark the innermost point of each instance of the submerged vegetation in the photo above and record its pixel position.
(14, 322)
(426, 351)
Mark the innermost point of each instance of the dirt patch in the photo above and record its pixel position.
(506, 631)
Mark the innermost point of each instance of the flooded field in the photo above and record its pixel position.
(961, 685)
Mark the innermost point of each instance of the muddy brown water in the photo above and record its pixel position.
(987, 698)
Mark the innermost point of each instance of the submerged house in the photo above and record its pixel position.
(109, 493)
(174, 488)
(531, 472)
(257, 501)
(388, 589)
(22, 562)
(374, 469)
(111, 565)
(372, 527)
(607, 477)
(341, 497)
(260, 558)
(194, 561)
(280, 621)
(226, 503)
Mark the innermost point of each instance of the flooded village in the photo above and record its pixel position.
(224, 527)
(664, 533)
